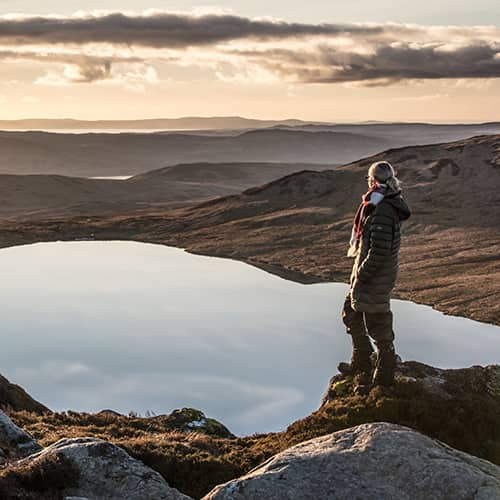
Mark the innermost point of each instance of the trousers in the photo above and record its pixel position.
(377, 325)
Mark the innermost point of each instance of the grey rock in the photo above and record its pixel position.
(106, 472)
(377, 461)
(14, 442)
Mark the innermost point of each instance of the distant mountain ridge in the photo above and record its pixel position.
(132, 153)
(87, 155)
(187, 122)
(208, 123)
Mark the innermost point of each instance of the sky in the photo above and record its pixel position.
(317, 60)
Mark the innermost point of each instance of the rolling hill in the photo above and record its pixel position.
(37, 196)
(104, 154)
(298, 226)
(87, 155)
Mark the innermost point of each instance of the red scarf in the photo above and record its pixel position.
(362, 214)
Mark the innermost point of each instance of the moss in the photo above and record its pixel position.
(341, 387)
(189, 419)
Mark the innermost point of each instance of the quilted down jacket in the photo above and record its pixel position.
(376, 265)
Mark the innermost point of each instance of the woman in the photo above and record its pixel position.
(374, 244)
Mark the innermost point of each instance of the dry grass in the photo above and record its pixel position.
(41, 480)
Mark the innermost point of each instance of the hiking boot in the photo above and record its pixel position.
(385, 366)
(360, 358)
(362, 383)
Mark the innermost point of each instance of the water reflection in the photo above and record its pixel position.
(132, 326)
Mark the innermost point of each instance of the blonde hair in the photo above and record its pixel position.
(384, 172)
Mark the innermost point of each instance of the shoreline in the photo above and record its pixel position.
(54, 231)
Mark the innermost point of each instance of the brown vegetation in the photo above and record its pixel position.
(41, 480)
(459, 407)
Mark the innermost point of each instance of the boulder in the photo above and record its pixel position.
(14, 442)
(377, 461)
(98, 470)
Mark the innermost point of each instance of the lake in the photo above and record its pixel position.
(137, 327)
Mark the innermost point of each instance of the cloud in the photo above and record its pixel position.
(386, 65)
(136, 78)
(467, 83)
(54, 370)
(131, 76)
(236, 48)
(158, 29)
(78, 68)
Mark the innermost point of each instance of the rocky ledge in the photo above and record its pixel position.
(435, 428)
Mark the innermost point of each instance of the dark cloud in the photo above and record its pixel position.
(386, 65)
(368, 53)
(88, 68)
(160, 30)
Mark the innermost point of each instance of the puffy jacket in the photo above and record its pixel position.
(376, 265)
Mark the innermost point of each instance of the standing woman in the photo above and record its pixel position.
(374, 244)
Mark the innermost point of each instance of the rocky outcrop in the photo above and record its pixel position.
(191, 419)
(14, 442)
(370, 461)
(98, 470)
(459, 407)
(445, 384)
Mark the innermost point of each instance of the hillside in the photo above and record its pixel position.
(407, 134)
(298, 226)
(90, 155)
(105, 154)
(48, 195)
(14, 398)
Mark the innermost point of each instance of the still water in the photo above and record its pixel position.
(137, 327)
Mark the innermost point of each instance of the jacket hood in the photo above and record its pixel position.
(399, 204)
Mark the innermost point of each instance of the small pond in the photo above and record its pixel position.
(140, 327)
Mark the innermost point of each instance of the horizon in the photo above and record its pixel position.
(251, 118)
(128, 62)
